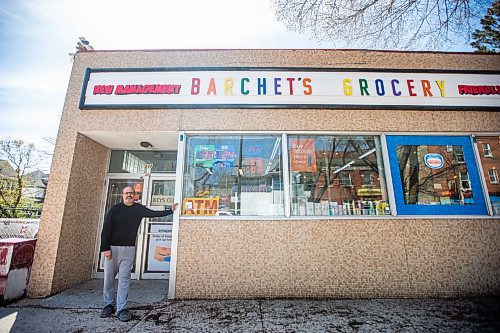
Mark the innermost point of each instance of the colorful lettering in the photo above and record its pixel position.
(478, 90)
(426, 88)
(307, 85)
(440, 85)
(243, 90)
(103, 89)
(290, 82)
(261, 86)
(347, 87)
(195, 86)
(379, 87)
(211, 87)
(363, 87)
(410, 85)
(277, 85)
(394, 90)
(228, 86)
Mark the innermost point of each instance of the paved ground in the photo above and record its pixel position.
(77, 310)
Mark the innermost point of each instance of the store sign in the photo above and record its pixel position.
(287, 88)
(302, 155)
(162, 200)
(434, 161)
(211, 155)
(200, 206)
(369, 192)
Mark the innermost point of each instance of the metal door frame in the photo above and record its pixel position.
(111, 176)
(142, 246)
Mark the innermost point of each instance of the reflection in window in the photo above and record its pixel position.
(490, 161)
(434, 175)
(487, 150)
(133, 161)
(233, 175)
(337, 175)
(493, 176)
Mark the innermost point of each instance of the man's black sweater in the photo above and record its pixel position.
(122, 222)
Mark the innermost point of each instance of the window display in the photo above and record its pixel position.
(233, 175)
(435, 175)
(490, 161)
(337, 175)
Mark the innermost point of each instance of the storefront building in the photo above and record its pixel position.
(299, 173)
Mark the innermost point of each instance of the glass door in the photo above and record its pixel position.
(157, 232)
(115, 186)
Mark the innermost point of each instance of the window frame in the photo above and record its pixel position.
(495, 175)
(487, 149)
(478, 208)
(185, 138)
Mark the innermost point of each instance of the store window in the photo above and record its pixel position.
(493, 176)
(487, 150)
(233, 175)
(140, 161)
(435, 175)
(490, 161)
(336, 175)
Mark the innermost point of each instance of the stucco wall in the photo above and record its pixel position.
(65, 248)
(335, 258)
(338, 258)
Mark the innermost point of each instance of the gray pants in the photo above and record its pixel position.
(122, 259)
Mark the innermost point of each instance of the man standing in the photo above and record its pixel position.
(118, 237)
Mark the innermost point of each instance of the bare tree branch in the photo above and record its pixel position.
(407, 24)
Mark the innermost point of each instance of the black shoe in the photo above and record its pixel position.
(107, 311)
(124, 315)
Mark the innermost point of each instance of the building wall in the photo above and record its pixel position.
(338, 258)
(65, 248)
(317, 258)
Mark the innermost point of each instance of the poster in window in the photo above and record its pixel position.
(302, 155)
(159, 250)
(204, 155)
(207, 156)
(252, 167)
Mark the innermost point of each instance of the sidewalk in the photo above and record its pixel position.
(77, 310)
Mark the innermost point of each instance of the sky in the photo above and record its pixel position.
(36, 37)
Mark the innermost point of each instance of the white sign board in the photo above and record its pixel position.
(288, 88)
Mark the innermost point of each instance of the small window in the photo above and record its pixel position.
(345, 179)
(458, 154)
(367, 179)
(493, 176)
(464, 178)
(487, 150)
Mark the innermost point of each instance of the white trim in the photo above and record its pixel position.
(286, 174)
(139, 253)
(388, 176)
(181, 144)
(151, 178)
(482, 178)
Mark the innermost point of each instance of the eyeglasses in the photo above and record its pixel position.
(127, 193)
